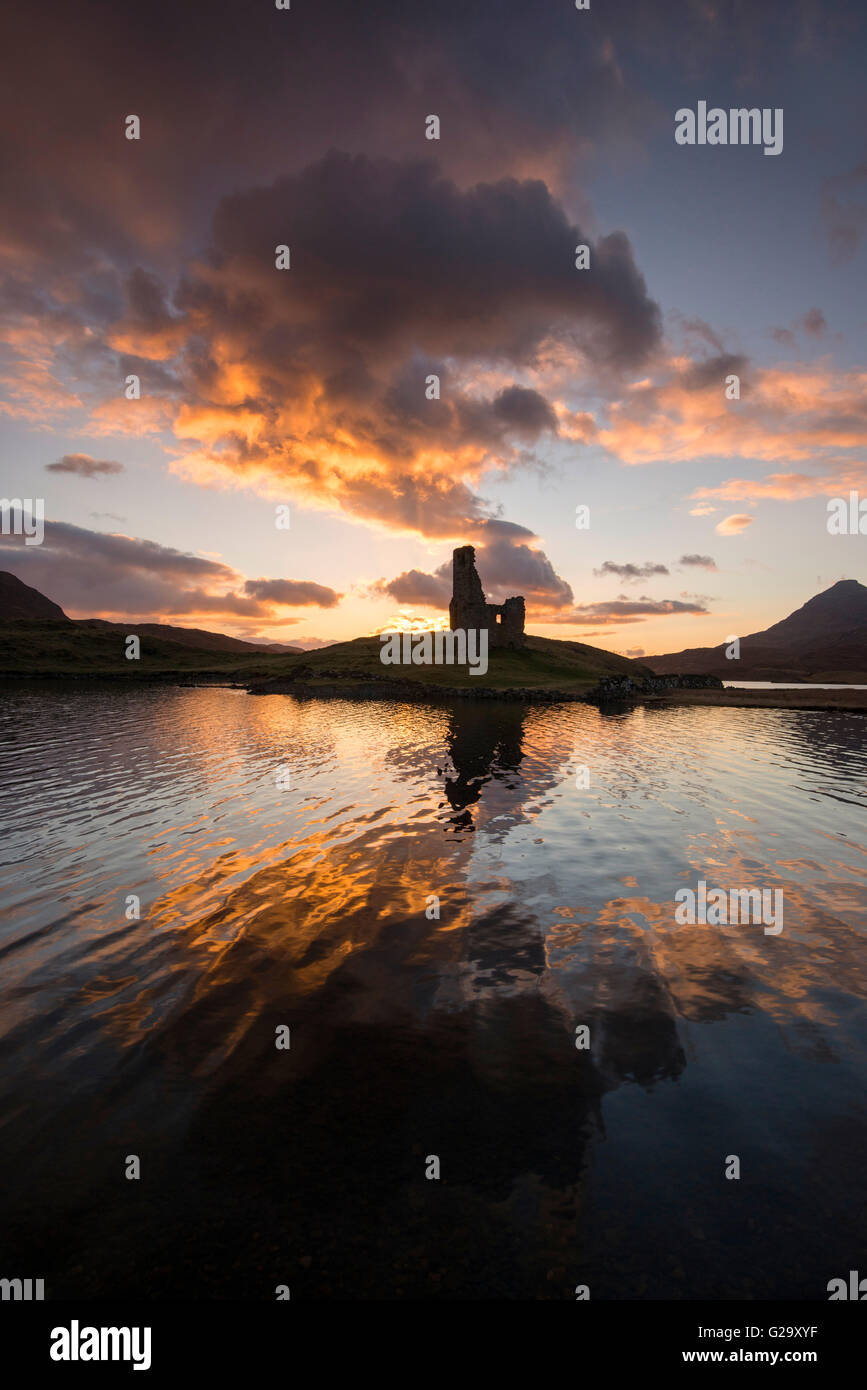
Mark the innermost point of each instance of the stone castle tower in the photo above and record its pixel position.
(468, 608)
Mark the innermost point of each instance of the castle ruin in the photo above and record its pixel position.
(469, 608)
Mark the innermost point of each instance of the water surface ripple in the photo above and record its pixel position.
(414, 1034)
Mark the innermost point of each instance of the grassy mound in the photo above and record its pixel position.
(543, 664)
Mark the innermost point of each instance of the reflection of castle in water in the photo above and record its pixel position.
(505, 941)
(482, 744)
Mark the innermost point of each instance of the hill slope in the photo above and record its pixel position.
(544, 663)
(63, 648)
(19, 602)
(191, 637)
(824, 640)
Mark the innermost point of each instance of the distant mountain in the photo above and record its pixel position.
(19, 602)
(191, 637)
(825, 640)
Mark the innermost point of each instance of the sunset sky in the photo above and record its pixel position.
(410, 257)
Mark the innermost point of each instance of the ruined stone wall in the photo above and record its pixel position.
(512, 625)
(469, 609)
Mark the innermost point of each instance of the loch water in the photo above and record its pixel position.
(432, 902)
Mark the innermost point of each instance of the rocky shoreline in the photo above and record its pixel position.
(610, 690)
(631, 688)
(846, 699)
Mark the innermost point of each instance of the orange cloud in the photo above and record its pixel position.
(733, 525)
(782, 413)
(785, 487)
(316, 379)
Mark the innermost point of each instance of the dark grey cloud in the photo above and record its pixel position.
(94, 572)
(416, 587)
(124, 553)
(703, 599)
(713, 371)
(89, 572)
(493, 528)
(304, 80)
(695, 329)
(705, 562)
(525, 412)
(230, 91)
(147, 299)
(295, 593)
(397, 257)
(813, 324)
(617, 611)
(84, 466)
(631, 571)
(620, 608)
(506, 567)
